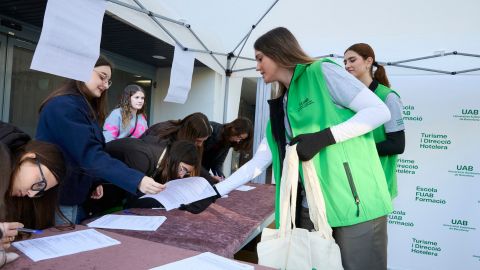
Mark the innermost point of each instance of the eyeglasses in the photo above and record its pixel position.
(104, 78)
(41, 185)
(184, 172)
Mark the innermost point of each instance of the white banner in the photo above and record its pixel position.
(436, 222)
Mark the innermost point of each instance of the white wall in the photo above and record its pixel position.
(206, 96)
(205, 86)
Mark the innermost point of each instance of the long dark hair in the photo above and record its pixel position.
(125, 103)
(98, 106)
(179, 151)
(239, 126)
(365, 51)
(190, 128)
(36, 213)
(282, 47)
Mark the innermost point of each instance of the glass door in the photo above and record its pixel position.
(3, 55)
(22, 90)
(25, 89)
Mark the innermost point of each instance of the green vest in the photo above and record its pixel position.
(389, 163)
(349, 172)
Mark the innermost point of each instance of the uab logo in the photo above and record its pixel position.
(466, 168)
(459, 225)
(469, 112)
(459, 222)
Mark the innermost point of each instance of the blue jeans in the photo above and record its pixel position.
(73, 213)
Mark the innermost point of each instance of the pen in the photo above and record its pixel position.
(129, 212)
(29, 230)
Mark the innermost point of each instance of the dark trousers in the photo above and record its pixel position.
(363, 246)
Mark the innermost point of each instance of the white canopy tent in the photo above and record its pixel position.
(410, 37)
(397, 30)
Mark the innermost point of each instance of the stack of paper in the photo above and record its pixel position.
(183, 191)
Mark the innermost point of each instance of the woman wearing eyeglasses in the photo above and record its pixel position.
(30, 171)
(237, 134)
(128, 119)
(161, 160)
(194, 127)
(71, 117)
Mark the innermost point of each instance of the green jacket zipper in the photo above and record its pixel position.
(352, 186)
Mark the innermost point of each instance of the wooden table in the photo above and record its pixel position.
(132, 253)
(223, 228)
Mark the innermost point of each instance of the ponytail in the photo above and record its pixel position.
(380, 75)
(365, 51)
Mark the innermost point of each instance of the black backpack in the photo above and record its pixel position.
(12, 136)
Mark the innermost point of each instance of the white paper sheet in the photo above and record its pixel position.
(69, 44)
(183, 191)
(244, 188)
(127, 222)
(65, 244)
(180, 76)
(205, 261)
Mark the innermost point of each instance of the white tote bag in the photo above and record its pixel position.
(294, 248)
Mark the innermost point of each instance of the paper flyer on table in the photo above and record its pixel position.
(205, 261)
(244, 188)
(128, 222)
(64, 244)
(183, 191)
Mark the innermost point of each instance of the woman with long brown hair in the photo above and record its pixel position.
(359, 60)
(160, 159)
(237, 134)
(194, 127)
(329, 115)
(71, 117)
(129, 118)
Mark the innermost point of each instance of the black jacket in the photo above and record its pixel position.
(215, 150)
(140, 154)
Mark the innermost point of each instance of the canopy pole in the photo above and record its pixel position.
(144, 10)
(420, 68)
(150, 14)
(465, 71)
(467, 54)
(204, 46)
(228, 73)
(255, 25)
(154, 17)
(245, 38)
(421, 58)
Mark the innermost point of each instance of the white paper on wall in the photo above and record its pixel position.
(181, 76)
(69, 44)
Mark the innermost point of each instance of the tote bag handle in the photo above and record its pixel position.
(316, 202)
(313, 190)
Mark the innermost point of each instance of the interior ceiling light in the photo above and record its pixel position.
(159, 57)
